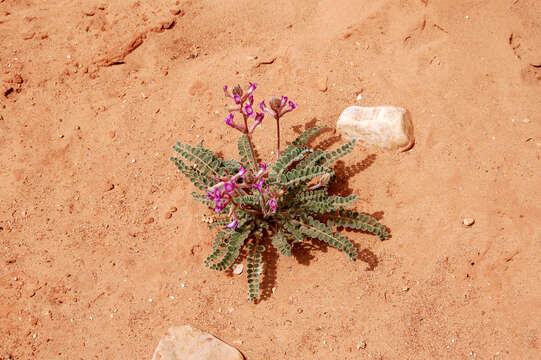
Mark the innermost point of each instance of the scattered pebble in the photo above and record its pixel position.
(468, 221)
(133, 161)
(168, 215)
(182, 285)
(173, 209)
(300, 310)
(405, 288)
(322, 84)
(112, 134)
(150, 220)
(361, 345)
(172, 297)
(237, 269)
(359, 97)
(149, 299)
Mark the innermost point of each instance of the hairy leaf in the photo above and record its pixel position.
(280, 243)
(354, 220)
(316, 229)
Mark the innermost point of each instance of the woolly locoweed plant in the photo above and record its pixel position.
(282, 204)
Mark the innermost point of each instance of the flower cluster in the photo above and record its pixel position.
(248, 181)
(243, 104)
(278, 107)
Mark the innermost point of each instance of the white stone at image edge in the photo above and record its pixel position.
(382, 126)
(188, 343)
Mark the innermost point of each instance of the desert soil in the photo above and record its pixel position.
(94, 95)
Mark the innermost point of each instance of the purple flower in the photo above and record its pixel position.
(263, 166)
(292, 105)
(219, 205)
(229, 120)
(252, 88)
(259, 185)
(237, 99)
(233, 225)
(262, 105)
(273, 205)
(248, 110)
(229, 187)
(240, 174)
(258, 120)
(250, 100)
(283, 101)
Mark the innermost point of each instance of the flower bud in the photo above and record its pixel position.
(237, 90)
(275, 104)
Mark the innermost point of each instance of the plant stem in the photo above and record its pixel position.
(277, 137)
(253, 158)
(249, 137)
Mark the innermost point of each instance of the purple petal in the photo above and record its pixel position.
(262, 105)
(242, 172)
(252, 88)
(248, 110)
(229, 187)
(229, 120)
(292, 105)
(250, 100)
(233, 225)
(237, 99)
(263, 166)
(283, 101)
(259, 185)
(273, 205)
(225, 88)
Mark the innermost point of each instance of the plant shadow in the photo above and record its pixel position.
(270, 258)
(344, 173)
(303, 252)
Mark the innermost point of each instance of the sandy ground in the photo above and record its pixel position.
(93, 96)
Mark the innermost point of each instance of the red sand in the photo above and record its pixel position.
(94, 96)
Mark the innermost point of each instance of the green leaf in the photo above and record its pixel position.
(295, 176)
(245, 153)
(207, 162)
(345, 149)
(280, 243)
(354, 220)
(303, 138)
(293, 231)
(288, 157)
(254, 269)
(312, 159)
(233, 248)
(201, 182)
(316, 229)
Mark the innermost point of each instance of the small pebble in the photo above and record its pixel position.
(173, 209)
(149, 299)
(361, 345)
(359, 97)
(182, 285)
(322, 84)
(237, 269)
(150, 220)
(133, 161)
(406, 288)
(299, 310)
(112, 134)
(168, 215)
(468, 221)
(172, 297)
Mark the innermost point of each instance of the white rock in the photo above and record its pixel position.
(383, 126)
(237, 269)
(468, 221)
(187, 343)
